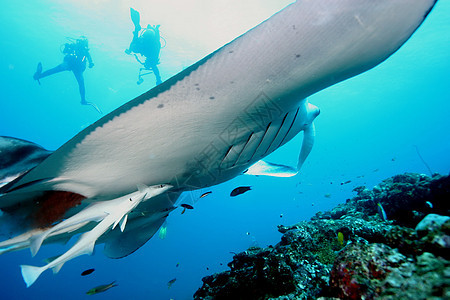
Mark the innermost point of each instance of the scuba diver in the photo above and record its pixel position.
(146, 43)
(75, 56)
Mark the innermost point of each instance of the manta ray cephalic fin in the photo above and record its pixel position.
(265, 168)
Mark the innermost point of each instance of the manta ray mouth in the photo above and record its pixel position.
(51, 206)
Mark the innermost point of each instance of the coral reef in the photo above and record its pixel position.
(391, 242)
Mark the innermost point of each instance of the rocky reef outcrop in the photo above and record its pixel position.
(390, 242)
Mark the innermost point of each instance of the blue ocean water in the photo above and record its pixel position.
(368, 130)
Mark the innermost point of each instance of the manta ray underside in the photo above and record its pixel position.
(117, 180)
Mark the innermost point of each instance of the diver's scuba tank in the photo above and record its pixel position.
(148, 34)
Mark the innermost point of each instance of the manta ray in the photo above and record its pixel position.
(213, 121)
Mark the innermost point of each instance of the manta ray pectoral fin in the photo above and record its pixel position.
(138, 232)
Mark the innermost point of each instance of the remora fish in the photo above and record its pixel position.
(220, 116)
(107, 213)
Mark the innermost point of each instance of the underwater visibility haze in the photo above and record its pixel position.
(387, 121)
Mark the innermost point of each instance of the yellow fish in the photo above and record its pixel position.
(340, 238)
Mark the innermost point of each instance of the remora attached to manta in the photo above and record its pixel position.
(210, 122)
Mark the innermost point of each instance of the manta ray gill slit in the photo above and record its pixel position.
(52, 206)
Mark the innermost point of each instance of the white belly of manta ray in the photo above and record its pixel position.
(207, 124)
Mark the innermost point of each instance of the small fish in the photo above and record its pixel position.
(101, 288)
(169, 284)
(186, 206)
(381, 212)
(348, 181)
(163, 232)
(205, 194)
(177, 265)
(281, 215)
(240, 190)
(87, 272)
(327, 195)
(340, 238)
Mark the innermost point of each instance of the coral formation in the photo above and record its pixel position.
(353, 251)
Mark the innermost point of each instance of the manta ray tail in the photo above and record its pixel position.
(31, 273)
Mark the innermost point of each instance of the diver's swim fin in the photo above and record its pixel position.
(38, 73)
(94, 106)
(136, 18)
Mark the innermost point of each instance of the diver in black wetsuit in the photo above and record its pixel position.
(146, 43)
(76, 55)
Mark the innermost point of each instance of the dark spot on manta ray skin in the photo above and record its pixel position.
(212, 98)
(230, 51)
(160, 105)
(297, 55)
(53, 205)
(196, 84)
(198, 89)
